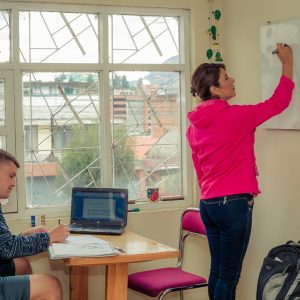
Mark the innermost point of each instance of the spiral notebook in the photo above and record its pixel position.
(98, 210)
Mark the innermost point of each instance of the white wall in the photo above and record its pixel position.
(276, 213)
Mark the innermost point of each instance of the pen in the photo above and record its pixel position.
(58, 221)
(119, 249)
(276, 50)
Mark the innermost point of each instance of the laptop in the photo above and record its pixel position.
(98, 210)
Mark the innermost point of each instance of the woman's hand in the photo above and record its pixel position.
(34, 230)
(58, 233)
(285, 54)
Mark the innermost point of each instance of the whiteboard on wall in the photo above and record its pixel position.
(284, 32)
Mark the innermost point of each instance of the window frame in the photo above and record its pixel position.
(9, 130)
(104, 67)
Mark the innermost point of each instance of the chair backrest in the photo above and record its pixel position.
(191, 224)
(191, 221)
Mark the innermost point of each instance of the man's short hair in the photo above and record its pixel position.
(4, 156)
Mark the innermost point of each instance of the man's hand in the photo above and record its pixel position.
(58, 233)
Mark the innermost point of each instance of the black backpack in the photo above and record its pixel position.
(279, 277)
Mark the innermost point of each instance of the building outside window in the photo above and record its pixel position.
(99, 99)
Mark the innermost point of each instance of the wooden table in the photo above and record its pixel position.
(137, 249)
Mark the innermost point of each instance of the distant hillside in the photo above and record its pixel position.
(163, 78)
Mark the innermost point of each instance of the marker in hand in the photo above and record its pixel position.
(276, 50)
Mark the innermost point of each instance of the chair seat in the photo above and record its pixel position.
(153, 282)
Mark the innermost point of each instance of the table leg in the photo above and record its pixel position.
(78, 283)
(116, 282)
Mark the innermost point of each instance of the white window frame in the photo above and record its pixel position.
(105, 67)
(9, 129)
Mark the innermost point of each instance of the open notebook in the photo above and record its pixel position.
(81, 246)
(98, 210)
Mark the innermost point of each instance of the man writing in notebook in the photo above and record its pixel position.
(16, 279)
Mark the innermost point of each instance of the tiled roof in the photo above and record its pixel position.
(41, 169)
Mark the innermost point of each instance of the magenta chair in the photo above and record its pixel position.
(159, 282)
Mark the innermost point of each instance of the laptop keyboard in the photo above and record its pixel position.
(111, 225)
(100, 230)
(93, 229)
(95, 225)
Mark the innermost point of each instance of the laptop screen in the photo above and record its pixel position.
(99, 205)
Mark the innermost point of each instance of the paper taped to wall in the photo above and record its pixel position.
(284, 32)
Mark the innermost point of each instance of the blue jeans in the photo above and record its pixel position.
(228, 222)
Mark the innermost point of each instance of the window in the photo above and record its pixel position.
(143, 39)
(146, 134)
(63, 137)
(58, 37)
(4, 35)
(7, 141)
(102, 99)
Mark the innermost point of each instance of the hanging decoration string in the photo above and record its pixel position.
(213, 52)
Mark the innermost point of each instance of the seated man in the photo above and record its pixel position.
(16, 279)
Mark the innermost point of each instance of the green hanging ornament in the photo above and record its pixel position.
(213, 31)
(217, 14)
(218, 57)
(209, 53)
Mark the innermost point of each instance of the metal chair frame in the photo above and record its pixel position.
(182, 238)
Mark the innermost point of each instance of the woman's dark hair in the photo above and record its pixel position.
(205, 76)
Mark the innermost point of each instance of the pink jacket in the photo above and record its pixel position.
(222, 140)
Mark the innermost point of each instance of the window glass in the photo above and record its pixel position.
(145, 109)
(144, 39)
(3, 142)
(2, 102)
(58, 37)
(4, 36)
(2, 115)
(138, 143)
(62, 140)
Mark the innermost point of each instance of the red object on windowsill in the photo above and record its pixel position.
(152, 194)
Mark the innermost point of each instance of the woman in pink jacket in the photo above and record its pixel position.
(221, 137)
